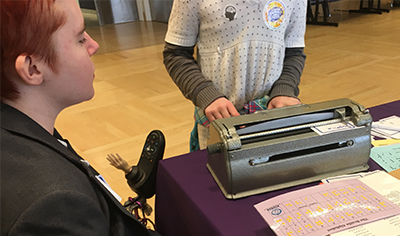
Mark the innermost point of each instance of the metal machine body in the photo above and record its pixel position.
(277, 148)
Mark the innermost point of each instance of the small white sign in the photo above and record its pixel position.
(336, 127)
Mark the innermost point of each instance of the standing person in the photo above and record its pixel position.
(249, 56)
(46, 188)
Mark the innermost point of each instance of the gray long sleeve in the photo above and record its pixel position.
(288, 82)
(184, 71)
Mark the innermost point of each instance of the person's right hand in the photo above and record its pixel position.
(220, 108)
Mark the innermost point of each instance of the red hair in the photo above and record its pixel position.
(26, 28)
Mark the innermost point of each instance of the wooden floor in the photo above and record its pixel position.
(359, 60)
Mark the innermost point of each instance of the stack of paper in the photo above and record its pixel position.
(387, 128)
(388, 157)
(389, 187)
(338, 206)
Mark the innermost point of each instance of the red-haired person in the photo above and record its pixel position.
(46, 188)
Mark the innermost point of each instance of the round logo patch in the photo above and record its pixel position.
(274, 14)
(230, 12)
(276, 212)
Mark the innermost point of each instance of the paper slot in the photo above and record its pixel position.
(285, 122)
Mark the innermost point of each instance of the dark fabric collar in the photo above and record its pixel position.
(13, 120)
(20, 124)
(17, 122)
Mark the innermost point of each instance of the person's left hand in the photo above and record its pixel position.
(282, 101)
(118, 162)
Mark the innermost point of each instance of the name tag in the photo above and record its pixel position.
(105, 184)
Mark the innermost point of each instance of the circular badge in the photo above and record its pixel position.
(276, 212)
(274, 14)
(230, 12)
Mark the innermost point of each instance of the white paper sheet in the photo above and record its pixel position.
(379, 128)
(336, 127)
(325, 209)
(389, 187)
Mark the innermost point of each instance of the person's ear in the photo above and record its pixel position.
(28, 68)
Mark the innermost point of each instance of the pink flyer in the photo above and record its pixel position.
(325, 209)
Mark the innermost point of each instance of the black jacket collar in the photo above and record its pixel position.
(20, 124)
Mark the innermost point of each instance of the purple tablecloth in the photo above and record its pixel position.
(189, 202)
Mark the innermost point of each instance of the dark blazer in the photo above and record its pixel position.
(46, 188)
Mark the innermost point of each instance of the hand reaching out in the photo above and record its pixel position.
(282, 101)
(220, 108)
(223, 108)
(118, 162)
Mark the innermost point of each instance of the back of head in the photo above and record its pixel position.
(26, 28)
